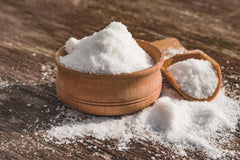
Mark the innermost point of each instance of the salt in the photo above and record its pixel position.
(170, 52)
(109, 51)
(43, 68)
(197, 78)
(173, 122)
(29, 105)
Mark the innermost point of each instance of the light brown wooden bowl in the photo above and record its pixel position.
(110, 94)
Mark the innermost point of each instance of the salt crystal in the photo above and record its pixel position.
(197, 78)
(237, 85)
(34, 54)
(43, 68)
(225, 81)
(29, 105)
(37, 120)
(48, 110)
(170, 52)
(109, 51)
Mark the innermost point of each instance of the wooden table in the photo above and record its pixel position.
(31, 31)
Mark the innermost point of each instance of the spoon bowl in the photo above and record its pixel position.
(197, 54)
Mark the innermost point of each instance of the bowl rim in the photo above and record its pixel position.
(143, 72)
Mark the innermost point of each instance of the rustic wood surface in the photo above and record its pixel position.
(31, 31)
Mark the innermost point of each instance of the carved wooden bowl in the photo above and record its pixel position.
(110, 94)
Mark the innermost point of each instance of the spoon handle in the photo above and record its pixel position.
(168, 42)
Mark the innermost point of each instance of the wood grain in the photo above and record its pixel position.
(32, 31)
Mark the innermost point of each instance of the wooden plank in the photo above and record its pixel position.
(32, 31)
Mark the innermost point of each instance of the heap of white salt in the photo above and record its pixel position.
(177, 124)
(197, 78)
(109, 51)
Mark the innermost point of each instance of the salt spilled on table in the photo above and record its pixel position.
(112, 50)
(173, 122)
(197, 78)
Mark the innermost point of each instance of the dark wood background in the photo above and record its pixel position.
(32, 30)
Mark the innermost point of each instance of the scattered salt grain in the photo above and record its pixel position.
(197, 78)
(112, 50)
(29, 105)
(48, 110)
(237, 85)
(153, 158)
(43, 68)
(3, 83)
(170, 52)
(173, 122)
(37, 120)
(34, 54)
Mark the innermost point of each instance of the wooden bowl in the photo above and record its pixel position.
(110, 94)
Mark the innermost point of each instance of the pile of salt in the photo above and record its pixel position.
(109, 51)
(171, 121)
(197, 78)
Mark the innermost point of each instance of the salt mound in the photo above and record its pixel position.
(109, 51)
(176, 123)
(189, 124)
(197, 78)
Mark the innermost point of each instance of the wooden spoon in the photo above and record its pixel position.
(197, 54)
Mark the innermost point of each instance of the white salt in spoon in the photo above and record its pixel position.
(184, 55)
